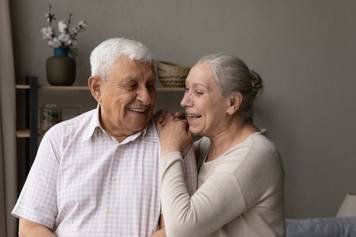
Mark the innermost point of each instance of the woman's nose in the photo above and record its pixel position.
(186, 101)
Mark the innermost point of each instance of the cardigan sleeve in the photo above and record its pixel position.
(206, 210)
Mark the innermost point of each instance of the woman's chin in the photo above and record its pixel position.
(195, 131)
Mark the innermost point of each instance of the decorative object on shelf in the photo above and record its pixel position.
(69, 112)
(348, 207)
(50, 115)
(61, 67)
(171, 74)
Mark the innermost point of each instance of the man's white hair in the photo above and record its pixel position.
(107, 52)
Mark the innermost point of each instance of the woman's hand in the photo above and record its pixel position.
(161, 117)
(160, 228)
(174, 135)
(159, 233)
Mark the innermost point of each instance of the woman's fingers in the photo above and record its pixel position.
(180, 115)
(174, 136)
(157, 117)
(165, 117)
(161, 117)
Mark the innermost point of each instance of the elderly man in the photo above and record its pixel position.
(98, 174)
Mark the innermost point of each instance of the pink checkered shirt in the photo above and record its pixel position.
(85, 183)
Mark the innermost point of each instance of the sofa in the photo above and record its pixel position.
(321, 227)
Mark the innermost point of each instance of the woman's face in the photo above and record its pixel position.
(203, 102)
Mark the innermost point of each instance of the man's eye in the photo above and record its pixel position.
(151, 87)
(131, 86)
(199, 92)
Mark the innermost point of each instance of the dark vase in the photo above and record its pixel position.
(60, 68)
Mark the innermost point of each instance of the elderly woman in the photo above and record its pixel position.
(240, 181)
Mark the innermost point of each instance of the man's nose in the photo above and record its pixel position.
(144, 95)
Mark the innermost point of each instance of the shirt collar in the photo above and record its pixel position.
(94, 123)
(136, 135)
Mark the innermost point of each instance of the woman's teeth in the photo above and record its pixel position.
(193, 115)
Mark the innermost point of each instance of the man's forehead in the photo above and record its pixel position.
(124, 63)
(127, 73)
(127, 60)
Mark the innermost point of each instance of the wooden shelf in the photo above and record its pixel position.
(27, 87)
(23, 87)
(65, 88)
(23, 133)
(86, 88)
(170, 89)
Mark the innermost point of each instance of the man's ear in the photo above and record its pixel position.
(95, 83)
(234, 102)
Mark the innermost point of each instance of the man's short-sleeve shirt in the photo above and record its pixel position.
(85, 183)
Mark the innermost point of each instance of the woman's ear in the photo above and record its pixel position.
(235, 101)
(95, 83)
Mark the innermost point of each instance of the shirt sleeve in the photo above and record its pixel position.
(196, 215)
(38, 198)
(190, 171)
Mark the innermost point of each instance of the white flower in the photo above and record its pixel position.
(54, 43)
(63, 35)
(62, 27)
(47, 32)
(82, 25)
(78, 28)
(50, 17)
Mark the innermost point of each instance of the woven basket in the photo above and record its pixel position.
(171, 74)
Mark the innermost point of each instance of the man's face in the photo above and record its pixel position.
(127, 97)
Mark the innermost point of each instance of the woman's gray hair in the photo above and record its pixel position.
(107, 52)
(232, 75)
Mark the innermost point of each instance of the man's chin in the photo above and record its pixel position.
(138, 123)
(140, 127)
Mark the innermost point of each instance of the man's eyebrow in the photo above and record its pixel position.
(128, 80)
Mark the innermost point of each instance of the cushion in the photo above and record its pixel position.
(321, 227)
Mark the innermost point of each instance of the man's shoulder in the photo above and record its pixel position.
(201, 149)
(202, 144)
(151, 134)
(73, 125)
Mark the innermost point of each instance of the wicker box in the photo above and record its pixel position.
(171, 74)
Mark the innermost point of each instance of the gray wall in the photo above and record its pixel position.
(303, 49)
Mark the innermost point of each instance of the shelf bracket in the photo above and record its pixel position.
(33, 96)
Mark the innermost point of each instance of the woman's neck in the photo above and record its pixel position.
(232, 135)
